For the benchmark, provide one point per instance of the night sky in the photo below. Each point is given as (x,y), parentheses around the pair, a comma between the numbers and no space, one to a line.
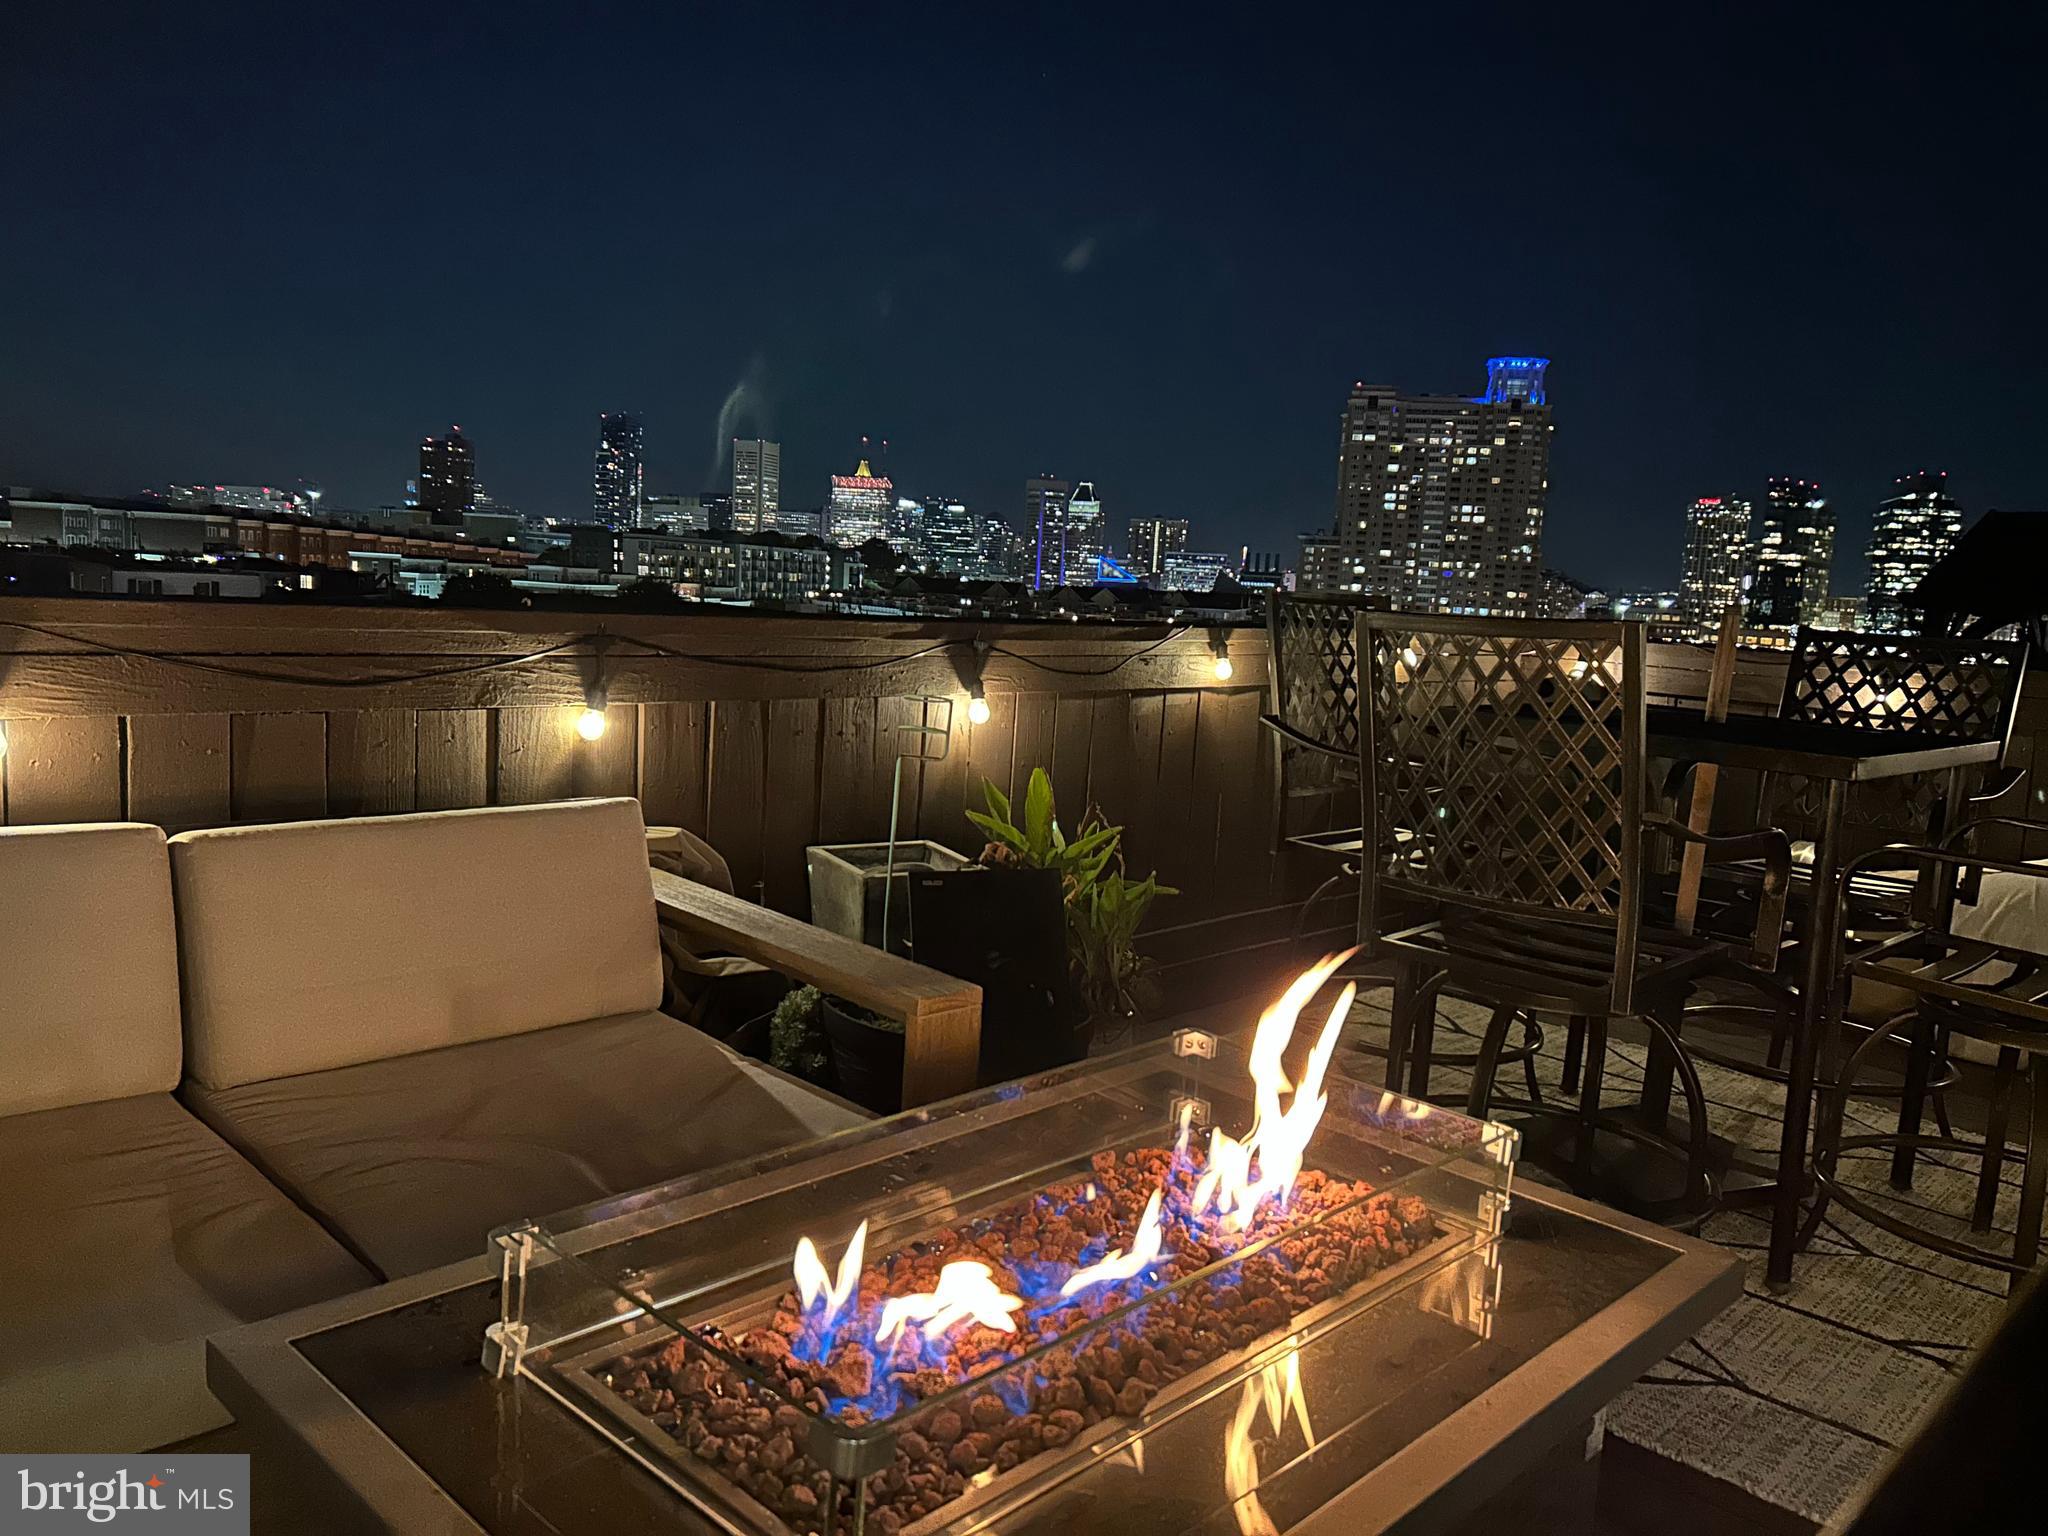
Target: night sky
(1153,250)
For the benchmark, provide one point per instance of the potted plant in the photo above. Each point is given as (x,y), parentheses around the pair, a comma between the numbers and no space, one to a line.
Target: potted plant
(1104,908)
(835,1044)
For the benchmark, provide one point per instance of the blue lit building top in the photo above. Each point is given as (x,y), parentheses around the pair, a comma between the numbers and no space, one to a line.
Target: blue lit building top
(1514,378)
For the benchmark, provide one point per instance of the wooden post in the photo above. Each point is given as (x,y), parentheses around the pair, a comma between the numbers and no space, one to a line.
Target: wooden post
(1699,815)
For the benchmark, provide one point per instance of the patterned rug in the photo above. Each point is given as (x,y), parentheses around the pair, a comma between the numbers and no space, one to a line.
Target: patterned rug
(1798,1398)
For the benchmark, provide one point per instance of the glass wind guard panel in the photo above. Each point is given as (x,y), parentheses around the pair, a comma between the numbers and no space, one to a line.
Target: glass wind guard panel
(1100,1297)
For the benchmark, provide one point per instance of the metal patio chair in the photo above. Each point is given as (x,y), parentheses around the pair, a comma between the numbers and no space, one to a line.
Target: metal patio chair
(1994,992)
(1513,754)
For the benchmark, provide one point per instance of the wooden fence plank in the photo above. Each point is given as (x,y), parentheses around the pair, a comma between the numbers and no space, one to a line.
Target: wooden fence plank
(454,759)
(674,756)
(1035,714)
(1073,729)
(1142,813)
(990,749)
(847,762)
(63,770)
(536,755)
(738,773)
(178,770)
(1179,854)
(941,813)
(896,721)
(1244,858)
(790,813)
(372,761)
(609,765)
(1109,756)
(277,766)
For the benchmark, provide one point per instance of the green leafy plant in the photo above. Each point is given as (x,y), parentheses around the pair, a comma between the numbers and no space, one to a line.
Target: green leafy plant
(1104,909)
(796,1040)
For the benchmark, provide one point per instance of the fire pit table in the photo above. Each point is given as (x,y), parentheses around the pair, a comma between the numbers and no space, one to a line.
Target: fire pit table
(1208,1285)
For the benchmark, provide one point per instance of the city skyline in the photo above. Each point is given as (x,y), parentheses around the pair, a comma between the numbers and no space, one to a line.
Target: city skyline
(1006,243)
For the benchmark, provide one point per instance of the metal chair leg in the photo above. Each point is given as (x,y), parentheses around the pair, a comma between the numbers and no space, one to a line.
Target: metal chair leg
(1912,1100)
(1589,1099)
(1574,1050)
(1407,981)
(1532,1040)
(1699,1133)
(2027,1244)
(1996,1120)
(1480,1097)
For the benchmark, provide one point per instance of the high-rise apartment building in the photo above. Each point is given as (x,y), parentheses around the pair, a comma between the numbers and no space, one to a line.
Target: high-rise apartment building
(1915,526)
(859,507)
(1149,540)
(1716,562)
(1087,535)
(756,483)
(952,542)
(619,479)
(1045,516)
(1794,550)
(447,477)
(1440,497)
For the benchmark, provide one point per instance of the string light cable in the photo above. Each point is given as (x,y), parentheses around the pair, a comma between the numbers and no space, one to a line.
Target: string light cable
(591,643)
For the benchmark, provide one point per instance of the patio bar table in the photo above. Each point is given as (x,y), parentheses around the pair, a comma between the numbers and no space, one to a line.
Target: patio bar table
(1838,757)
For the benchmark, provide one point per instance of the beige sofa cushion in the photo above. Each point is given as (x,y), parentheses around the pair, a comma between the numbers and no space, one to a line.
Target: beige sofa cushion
(133,1232)
(412,1161)
(323,944)
(89,1000)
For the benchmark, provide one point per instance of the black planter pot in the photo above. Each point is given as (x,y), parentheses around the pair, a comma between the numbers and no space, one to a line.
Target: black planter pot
(867,1062)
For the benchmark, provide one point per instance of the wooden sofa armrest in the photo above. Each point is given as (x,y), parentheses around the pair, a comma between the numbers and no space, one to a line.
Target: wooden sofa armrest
(941,1015)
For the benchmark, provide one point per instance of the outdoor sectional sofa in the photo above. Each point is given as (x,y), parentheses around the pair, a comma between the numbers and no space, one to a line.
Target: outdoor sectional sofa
(252,1068)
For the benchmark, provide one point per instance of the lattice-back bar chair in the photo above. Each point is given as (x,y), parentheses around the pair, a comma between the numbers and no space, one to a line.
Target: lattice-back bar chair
(1513,756)
(1313,686)
(1991,991)
(1941,687)
(1934,686)
(1313,660)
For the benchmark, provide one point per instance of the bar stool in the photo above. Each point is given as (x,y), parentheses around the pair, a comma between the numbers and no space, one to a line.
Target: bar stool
(1965,988)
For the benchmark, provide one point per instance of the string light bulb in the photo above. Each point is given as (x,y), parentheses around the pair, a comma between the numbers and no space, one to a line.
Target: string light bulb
(977,707)
(1223,669)
(1219,645)
(590,724)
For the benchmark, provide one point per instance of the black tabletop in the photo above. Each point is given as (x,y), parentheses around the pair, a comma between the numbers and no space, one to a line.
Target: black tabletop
(1818,751)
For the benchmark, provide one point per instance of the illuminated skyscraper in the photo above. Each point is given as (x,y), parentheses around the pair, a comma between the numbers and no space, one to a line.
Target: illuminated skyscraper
(1440,497)
(619,480)
(1045,520)
(1151,540)
(447,477)
(756,483)
(859,507)
(952,543)
(1087,535)
(1915,526)
(1794,551)
(1716,560)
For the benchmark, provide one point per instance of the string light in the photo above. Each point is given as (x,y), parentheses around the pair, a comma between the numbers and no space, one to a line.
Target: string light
(590,724)
(1219,643)
(977,707)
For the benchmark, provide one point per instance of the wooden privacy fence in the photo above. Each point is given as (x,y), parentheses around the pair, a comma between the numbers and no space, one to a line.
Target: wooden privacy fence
(760,733)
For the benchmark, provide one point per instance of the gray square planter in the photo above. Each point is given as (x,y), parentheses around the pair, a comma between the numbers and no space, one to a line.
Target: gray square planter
(847,883)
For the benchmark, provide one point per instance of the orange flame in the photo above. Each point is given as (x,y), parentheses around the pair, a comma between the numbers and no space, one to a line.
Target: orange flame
(1118,1265)
(812,1282)
(1276,1389)
(966,1291)
(1279,1137)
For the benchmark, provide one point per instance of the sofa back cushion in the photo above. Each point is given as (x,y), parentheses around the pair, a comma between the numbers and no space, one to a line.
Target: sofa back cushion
(321,944)
(88,966)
